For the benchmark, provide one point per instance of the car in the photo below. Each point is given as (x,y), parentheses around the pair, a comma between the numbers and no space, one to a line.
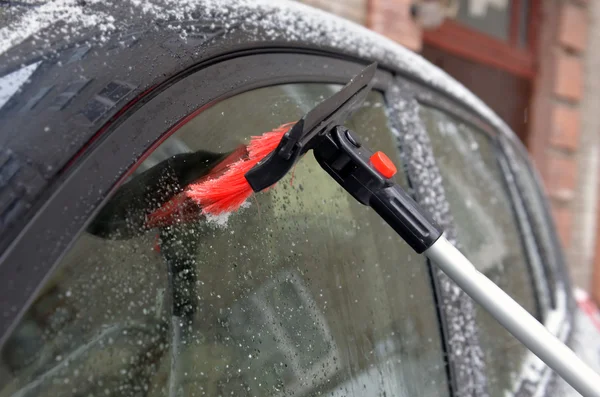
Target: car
(109,110)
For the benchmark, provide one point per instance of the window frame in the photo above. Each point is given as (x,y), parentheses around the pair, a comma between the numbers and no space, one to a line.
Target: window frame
(115,152)
(562,305)
(558,320)
(123,145)
(472,44)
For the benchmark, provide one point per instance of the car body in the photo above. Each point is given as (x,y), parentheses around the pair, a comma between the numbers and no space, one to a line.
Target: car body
(304,292)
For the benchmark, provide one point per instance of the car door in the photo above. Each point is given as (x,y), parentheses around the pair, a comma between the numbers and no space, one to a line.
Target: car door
(303,292)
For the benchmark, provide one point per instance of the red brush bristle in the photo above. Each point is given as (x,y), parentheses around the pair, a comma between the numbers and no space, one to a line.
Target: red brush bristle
(228,192)
(224,189)
(180,208)
(225,193)
(260,146)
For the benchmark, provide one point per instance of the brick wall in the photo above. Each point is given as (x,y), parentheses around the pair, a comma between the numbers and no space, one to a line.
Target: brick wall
(392,18)
(586,217)
(389,17)
(554,137)
(564,129)
(354,10)
(561,68)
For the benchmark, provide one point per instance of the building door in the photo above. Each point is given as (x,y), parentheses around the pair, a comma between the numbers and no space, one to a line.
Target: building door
(488,47)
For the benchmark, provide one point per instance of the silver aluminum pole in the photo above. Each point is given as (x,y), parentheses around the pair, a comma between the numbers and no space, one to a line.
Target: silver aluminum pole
(514,318)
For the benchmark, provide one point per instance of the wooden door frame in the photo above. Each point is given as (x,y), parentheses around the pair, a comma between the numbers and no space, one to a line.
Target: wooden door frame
(468,43)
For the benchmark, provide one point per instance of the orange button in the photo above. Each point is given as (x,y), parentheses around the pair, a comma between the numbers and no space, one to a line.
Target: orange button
(383,164)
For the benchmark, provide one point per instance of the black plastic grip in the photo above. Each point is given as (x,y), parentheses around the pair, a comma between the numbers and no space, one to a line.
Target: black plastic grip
(405,216)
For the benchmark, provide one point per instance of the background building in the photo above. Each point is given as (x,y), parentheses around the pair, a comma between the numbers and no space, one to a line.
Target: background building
(537,64)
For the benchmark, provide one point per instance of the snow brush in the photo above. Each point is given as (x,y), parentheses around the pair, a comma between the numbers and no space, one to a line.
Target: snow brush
(224,189)
(367,177)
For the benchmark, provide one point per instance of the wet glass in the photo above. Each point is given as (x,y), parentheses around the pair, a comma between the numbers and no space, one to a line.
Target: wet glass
(524,17)
(489,17)
(488,234)
(541,224)
(303,292)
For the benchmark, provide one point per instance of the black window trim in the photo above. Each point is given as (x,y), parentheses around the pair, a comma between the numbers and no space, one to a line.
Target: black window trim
(556,319)
(507,146)
(537,268)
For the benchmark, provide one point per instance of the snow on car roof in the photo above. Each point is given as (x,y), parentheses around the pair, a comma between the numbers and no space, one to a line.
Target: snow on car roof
(262,21)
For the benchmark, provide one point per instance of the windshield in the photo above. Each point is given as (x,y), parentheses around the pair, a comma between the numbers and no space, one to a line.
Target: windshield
(303,292)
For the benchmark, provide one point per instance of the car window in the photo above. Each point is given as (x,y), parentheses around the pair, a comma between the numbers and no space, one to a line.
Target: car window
(303,292)
(488,234)
(540,220)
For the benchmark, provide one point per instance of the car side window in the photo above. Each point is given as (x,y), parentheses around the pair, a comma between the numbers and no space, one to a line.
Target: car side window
(302,292)
(541,223)
(488,234)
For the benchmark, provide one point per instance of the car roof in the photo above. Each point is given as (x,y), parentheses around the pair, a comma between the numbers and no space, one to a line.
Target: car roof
(144,44)
(245,24)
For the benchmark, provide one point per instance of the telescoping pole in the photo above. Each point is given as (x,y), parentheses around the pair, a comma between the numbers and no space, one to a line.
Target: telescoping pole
(514,318)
